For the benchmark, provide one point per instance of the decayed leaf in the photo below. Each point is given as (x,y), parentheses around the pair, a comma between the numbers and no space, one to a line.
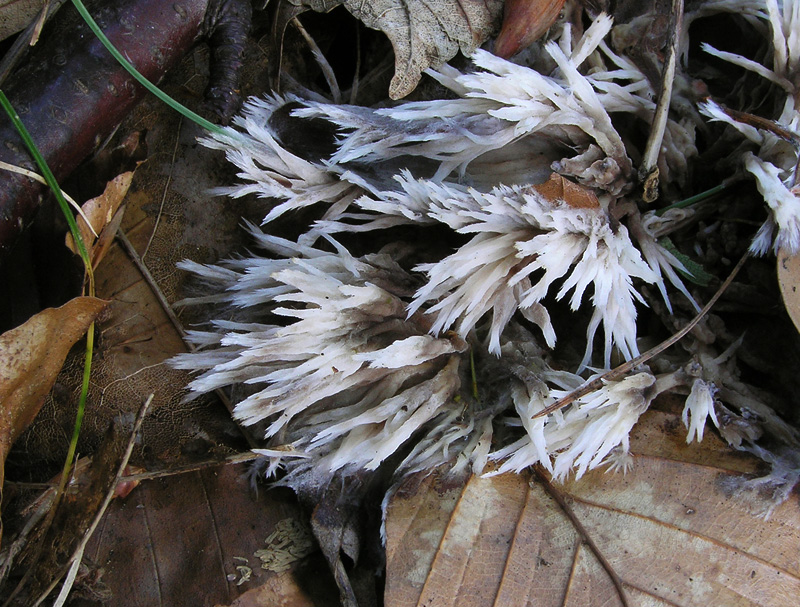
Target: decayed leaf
(671,530)
(559,187)
(105,215)
(423,34)
(225,530)
(15,15)
(789,281)
(524,22)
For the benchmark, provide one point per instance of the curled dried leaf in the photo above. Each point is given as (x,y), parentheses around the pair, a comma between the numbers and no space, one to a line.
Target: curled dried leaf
(104,217)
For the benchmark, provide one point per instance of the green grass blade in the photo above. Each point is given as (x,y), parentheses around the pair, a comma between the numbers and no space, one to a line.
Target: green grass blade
(178,107)
(76,235)
(48,177)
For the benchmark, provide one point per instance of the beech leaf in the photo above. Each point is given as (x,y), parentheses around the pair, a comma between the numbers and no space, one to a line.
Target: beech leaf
(423,34)
(678,529)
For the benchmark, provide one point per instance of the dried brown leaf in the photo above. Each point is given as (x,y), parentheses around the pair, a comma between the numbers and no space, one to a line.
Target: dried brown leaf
(669,528)
(561,188)
(103,213)
(524,22)
(223,525)
(423,34)
(31,356)
(789,281)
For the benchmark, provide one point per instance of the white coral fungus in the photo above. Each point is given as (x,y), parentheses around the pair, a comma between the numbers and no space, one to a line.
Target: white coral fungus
(585,435)
(347,360)
(523,244)
(700,406)
(348,380)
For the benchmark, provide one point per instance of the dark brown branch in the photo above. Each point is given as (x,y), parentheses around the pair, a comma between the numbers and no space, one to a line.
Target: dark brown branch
(71,93)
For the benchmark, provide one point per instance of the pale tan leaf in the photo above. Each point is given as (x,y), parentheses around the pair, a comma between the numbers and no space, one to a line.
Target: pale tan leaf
(15,15)
(669,529)
(423,34)
(789,281)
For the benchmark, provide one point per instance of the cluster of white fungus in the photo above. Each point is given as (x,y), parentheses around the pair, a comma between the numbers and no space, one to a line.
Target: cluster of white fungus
(348,361)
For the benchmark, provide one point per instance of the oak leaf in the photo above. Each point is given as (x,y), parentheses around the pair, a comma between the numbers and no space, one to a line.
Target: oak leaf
(423,34)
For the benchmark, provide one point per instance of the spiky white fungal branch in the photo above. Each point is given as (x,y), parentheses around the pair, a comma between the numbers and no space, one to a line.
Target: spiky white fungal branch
(509,123)
(593,430)
(523,243)
(342,376)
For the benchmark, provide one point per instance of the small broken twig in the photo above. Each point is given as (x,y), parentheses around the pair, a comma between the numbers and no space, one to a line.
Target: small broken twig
(71,566)
(648,172)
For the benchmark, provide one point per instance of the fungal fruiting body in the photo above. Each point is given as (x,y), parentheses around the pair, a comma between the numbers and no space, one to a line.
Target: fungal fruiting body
(348,360)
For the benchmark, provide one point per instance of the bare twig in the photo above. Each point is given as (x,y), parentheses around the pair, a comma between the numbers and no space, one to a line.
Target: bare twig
(624,368)
(231,460)
(559,498)
(237,458)
(648,172)
(148,278)
(156,290)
